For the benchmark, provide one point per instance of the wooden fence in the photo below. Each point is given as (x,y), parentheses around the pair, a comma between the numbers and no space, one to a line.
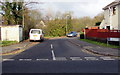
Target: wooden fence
(101,33)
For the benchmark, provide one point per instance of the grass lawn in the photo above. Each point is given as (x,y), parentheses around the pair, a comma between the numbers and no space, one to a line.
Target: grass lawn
(100,44)
(6,43)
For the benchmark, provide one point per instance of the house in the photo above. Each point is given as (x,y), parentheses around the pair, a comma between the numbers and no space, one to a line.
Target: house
(41,24)
(0,19)
(11,33)
(111,16)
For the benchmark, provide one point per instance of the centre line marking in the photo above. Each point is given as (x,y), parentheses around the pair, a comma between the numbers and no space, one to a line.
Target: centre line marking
(51,46)
(53,55)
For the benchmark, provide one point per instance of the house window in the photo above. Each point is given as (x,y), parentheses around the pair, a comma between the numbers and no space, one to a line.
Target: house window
(114,10)
(108,27)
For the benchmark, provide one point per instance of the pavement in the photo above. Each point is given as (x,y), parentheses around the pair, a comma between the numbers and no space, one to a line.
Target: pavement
(16,48)
(95,49)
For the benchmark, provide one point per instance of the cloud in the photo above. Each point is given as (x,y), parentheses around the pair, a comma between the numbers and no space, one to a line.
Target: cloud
(64,0)
(79,7)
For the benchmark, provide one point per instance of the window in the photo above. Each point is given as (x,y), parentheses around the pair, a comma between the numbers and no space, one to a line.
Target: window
(114,10)
(35,32)
(108,27)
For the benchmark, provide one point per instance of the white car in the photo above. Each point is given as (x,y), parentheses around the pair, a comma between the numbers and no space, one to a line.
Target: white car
(36,35)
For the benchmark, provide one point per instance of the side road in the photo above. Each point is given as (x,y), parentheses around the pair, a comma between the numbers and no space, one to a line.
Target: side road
(17,48)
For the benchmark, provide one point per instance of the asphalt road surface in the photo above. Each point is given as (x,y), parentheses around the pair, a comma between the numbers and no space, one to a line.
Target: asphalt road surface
(58,56)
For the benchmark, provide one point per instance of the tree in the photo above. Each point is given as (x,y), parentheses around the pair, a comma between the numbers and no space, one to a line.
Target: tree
(80,23)
(57,26)
(98,18)
(12,12)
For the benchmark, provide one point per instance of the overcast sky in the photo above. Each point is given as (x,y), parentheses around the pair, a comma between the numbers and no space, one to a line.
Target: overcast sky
(80,8)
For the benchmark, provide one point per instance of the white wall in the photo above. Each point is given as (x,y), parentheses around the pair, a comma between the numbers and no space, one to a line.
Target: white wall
(11,33)
(106,21)
(114,20)
(20,33)
(111,20)
(119,17)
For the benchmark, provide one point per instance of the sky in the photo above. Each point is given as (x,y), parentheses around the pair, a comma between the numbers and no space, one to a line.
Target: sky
(80,8)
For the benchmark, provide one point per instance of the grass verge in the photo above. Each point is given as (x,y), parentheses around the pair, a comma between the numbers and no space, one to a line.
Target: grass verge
(100,44)
(7,43)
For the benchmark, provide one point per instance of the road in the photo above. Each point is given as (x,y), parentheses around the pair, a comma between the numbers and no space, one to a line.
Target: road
(58,56)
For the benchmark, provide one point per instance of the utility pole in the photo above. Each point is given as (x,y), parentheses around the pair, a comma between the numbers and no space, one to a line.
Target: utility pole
(66,23)
(23,17)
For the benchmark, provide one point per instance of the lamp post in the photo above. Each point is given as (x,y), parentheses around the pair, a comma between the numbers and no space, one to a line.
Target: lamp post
(23,18)
(66,23)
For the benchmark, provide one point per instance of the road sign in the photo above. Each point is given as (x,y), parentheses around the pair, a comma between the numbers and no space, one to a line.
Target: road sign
(113,39)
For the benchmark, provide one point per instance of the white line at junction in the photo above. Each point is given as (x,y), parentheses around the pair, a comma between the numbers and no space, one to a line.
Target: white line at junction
(8,59)
(25,59)
(53,55)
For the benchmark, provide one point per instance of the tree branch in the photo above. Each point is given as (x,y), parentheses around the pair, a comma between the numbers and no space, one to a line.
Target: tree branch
(2,3)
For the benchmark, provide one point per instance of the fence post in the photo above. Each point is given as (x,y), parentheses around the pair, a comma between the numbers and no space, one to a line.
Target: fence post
(107,41)
(84,33)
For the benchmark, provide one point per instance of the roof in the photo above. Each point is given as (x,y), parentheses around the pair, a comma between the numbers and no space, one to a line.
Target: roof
(116,2)
(10,25)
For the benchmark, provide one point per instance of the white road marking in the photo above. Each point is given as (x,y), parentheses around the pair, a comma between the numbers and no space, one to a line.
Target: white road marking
(25,59)
(8,59)
(51,46)
(91,58)
(75,58)
(53,55)
(61,58)
(41,59)
(107,58)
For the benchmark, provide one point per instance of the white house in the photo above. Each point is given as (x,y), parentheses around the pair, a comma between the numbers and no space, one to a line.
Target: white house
(0,19)
(11,33)
(111,16)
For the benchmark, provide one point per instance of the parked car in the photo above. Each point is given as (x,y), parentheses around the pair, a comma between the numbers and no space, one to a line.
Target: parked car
(36,35)
(72,34)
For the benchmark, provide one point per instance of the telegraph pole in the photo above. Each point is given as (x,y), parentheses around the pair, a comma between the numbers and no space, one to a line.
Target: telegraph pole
(66,23)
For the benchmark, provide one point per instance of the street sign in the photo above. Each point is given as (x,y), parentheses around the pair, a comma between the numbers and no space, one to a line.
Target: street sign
(113,39)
